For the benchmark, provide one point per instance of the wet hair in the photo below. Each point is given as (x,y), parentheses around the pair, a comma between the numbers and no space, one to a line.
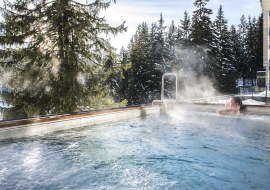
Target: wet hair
(240,103)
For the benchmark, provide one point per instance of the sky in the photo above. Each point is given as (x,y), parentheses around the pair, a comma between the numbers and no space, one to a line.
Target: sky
(134,12)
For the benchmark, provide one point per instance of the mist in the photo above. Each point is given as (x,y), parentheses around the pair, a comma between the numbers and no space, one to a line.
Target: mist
(192,82)
(193,86)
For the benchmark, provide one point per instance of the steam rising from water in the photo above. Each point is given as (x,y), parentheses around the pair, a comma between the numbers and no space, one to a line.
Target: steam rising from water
(192,85)
(195,87)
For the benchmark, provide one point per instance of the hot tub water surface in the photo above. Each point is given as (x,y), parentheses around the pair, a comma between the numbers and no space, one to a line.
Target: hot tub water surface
(178,150)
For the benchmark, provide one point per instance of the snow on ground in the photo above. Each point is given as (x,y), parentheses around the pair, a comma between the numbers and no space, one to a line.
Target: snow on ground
(257,94)
(262,94)
(252,102)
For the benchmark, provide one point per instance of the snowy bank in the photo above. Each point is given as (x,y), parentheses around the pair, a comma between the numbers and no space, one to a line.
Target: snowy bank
(252,102)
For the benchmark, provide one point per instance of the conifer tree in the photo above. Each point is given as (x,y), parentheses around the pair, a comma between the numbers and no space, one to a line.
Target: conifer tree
(122,81)
(236,49)
(201,37)
(222,67)
(171,40)
(161,55)
(251,45)
(116,81)
(201,24)
(139,72)
(154,64)
(54,55)
(183,60)
(259,43)
(243,67)
(186,29)
(171,45)
(149,56)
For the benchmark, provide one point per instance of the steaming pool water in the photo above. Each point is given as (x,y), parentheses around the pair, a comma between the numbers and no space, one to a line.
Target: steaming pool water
(179,150)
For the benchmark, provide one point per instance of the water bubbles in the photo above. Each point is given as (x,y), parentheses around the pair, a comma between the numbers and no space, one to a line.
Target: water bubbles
(154,153)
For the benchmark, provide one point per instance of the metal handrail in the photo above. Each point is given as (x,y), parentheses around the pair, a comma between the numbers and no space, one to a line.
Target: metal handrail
(164,101)
(176,86)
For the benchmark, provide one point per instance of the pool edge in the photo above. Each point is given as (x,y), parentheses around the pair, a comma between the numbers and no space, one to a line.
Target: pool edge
(45,124)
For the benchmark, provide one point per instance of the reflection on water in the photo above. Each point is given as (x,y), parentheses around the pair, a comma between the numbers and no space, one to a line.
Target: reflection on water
(181,150)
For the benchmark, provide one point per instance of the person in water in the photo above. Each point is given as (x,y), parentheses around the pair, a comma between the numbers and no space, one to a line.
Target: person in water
(233,107)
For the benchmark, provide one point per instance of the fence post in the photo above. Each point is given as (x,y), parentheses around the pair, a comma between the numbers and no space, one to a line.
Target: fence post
(266,95)
(252,92)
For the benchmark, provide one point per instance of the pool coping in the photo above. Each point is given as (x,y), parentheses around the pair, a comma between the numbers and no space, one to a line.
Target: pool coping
(213,107)
(56,117)
(43,124)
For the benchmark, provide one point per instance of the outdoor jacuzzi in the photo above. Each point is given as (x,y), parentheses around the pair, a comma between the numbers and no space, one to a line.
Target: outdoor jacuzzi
(177,150)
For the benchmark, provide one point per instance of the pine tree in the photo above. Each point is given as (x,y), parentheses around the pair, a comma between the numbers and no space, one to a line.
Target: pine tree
(201,37)
(259,43)
(171,40)
(184,60)
(161,50)
(251,54)
(150,55)
(222,67)
(154,64)
(139,72)
(236,50)
(171,45)
(201,24)
(115,83)
(186,29)
(122,80)
(243,68)
(54,55)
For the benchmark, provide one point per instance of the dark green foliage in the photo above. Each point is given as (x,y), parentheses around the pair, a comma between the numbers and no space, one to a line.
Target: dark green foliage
(254,46)
(259,44)
(247,47)
(53,55)
(117,82)
(53,59)
(201,33)
(242,63)
(222,69)
(150,55)
(201,37)
(184,31)
(200,48)
(143,72)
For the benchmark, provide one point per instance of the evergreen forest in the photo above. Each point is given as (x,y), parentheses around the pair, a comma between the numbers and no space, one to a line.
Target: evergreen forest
(54,60)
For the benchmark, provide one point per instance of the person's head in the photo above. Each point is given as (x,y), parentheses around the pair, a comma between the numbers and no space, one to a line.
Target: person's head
(236,101)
